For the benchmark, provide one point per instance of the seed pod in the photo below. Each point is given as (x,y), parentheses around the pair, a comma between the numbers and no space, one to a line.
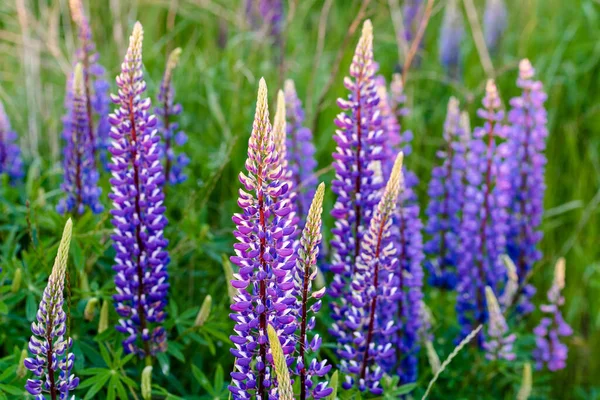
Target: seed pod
(90,309)
(147,383)
(16,283)
(204,312)
(103,323)
(21,370)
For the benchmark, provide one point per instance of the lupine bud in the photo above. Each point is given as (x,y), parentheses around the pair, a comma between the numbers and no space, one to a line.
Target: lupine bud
(147,383)
(11,162)
(103,321)
(231,291)
(549,350)
(21,370)
(204,312)
(52,363)
(166,110)
(526,383)
(84,284)
(138,213)
(90,309)
(16,283)
(498,344)
(284,389)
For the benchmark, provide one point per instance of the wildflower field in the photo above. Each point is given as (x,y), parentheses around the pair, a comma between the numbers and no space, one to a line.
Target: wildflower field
(284,199)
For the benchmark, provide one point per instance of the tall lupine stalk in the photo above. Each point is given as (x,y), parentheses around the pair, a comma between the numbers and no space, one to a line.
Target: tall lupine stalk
(495,19)
(373,291)
(451,35)
(549,350)
(94,83)
(499,343)
(138,210)
(446,195)
(10,152)
(301,151)
(412,10)
(265,256)
(527,143)
(484,220)
(305,273)
(51,362)
(80,180)
(358,150)
(167,109)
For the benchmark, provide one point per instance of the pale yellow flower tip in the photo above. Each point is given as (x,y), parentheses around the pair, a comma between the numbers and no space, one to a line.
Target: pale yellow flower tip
(559,273)
(526,383)
(262,103)
(367,30)
(76,11)
(174,58)
(147,383)
(284,384)
(279,126)
(289,86)
(525,69)
(78,80)
(397,169)
(204,312)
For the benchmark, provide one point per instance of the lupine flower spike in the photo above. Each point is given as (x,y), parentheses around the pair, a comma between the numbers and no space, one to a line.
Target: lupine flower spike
(451,36)
(284,388)
(359,139)
(373,290)
(446,194)
(94,83)
(306,272)
(526,145)
(10,153)
(51,362)
(80,181)
(301,151)
(265,256)
(499,344)
(138,210)
(549,350)
(484,219)
(494,23)
(512,284)
(167,109)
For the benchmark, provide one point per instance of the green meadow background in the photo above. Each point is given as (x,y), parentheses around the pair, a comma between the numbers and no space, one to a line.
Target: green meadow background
(216,83)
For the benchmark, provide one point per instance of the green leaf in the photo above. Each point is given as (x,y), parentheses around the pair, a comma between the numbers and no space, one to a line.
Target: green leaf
(202,379)
(99,383)
(219,378)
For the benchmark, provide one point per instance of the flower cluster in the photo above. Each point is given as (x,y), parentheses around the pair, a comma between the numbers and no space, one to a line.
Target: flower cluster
(94,83)
(356,159)
(499,344)
(374,289)
(485,218)
(169,129)
(80,181)
(265,257)
(494,23)
(138,210)
(300,150)
(412,10)
(52,362)
(527,142)
(305,274)
(446,193)
(451,36)
(549,350)
(268,13)
(10,153)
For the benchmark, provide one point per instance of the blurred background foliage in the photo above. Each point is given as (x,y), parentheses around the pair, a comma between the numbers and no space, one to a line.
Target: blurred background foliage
(216,83)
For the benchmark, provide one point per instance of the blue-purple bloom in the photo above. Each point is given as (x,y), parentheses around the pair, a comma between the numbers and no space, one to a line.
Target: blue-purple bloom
(266,260)
(527,142)
(549,350)
(373,290)
(485,218)
(80,180)
(356,159)
(138,210)
(499,343)
(10,152)
(96,87)
(411,11)
(266,12)
(451,36)
(300,150)
(169,129)
(494,23)
(446,195)
(52,362)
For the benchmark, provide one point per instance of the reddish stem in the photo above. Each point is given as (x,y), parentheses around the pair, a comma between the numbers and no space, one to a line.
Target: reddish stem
(303,327)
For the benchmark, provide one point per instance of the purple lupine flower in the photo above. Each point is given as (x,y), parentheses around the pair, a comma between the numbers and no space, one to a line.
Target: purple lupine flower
(446,193)
(412,12)
(80,181)
(265,256)
(527,143)
(10,152)
(169,129)
(358,151)
(138,210)
(268,13)
(484,220)
(494,23)
(96,86)
(305,273)
(52,362)
(549,350)
(301,150)
(499,344)
(451,35)
(373,291)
